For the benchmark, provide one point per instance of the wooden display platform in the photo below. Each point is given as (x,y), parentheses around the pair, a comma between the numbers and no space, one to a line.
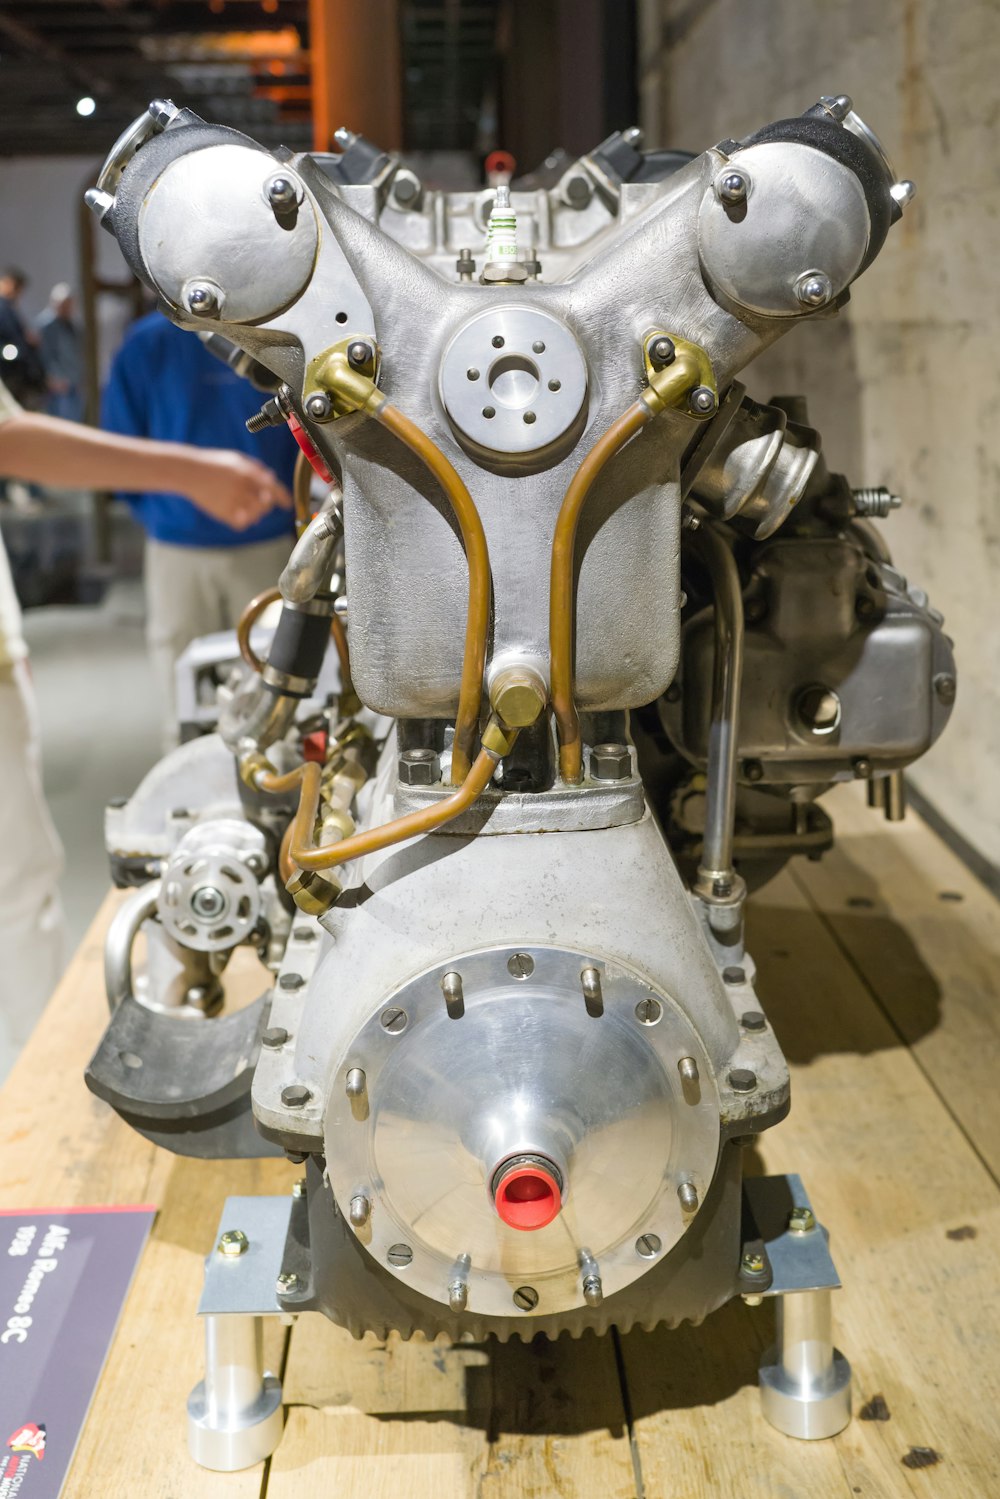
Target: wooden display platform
(879,969)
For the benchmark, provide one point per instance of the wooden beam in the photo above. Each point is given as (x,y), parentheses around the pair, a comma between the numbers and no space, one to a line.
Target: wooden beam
(356,70)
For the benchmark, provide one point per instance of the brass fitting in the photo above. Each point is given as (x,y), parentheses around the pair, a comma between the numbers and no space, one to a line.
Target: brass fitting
(497,739)
(518,696)
(349,387)
(670,384)
(312,891)
(253,764)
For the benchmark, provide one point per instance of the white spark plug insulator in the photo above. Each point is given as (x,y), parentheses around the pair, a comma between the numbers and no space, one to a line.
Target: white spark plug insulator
(501,242)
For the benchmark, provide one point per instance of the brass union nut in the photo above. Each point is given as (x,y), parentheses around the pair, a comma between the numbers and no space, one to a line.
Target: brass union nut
(312,891)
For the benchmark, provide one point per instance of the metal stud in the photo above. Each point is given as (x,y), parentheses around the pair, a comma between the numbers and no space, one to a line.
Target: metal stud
(687,1194)
(593,1290)
(454,995)
(590,983)
(688,1069)
(360,1210)
(356,1088)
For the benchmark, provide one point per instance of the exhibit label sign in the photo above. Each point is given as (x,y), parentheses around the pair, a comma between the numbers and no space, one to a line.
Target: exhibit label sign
(64,1275)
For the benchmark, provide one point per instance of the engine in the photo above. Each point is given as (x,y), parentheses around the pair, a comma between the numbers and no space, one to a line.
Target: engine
(571,643)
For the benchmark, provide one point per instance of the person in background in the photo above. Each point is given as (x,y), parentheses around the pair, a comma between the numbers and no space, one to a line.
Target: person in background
(229,488)
(201,571)
(62,354)
(20,358)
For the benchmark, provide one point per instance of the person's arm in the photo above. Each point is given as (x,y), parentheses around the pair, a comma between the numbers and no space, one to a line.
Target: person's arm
(46,450)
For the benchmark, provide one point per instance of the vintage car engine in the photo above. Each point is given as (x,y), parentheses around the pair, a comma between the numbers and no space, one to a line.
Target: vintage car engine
(604,629)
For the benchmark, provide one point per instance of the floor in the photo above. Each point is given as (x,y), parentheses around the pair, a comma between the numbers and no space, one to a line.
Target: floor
(100,728)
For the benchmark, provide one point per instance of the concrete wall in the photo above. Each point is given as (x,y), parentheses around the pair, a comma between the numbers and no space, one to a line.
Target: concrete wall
(904,385)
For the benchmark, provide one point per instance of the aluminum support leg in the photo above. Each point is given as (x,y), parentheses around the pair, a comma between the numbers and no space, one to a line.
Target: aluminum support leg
(235,1417)
(805,1383)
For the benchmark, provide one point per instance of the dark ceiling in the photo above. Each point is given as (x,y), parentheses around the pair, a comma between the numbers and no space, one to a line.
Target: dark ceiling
(241,61)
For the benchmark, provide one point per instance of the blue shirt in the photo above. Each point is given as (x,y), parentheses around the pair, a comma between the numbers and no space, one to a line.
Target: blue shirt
(165,384)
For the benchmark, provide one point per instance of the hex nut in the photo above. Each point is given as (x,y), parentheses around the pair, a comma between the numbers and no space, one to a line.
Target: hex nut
(610,762)
(419,767)
(233,1243)
(312,891)
(801,1221)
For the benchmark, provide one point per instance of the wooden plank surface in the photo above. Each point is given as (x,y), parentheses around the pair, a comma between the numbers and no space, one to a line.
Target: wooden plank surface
(879,991)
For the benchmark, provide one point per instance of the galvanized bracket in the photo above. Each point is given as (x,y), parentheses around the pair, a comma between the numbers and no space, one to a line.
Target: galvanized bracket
(799,1261)
(247,1284)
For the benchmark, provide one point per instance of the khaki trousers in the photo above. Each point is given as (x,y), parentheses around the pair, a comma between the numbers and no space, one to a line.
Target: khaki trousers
(192,591)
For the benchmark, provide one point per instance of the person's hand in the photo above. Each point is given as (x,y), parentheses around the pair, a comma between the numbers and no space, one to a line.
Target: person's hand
(234,489)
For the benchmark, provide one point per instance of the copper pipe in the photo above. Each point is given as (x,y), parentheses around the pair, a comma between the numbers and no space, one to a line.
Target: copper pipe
(285,867)
(247,620)
(303,850)
(343,656)
(561,585)
(302,491)
(480,588)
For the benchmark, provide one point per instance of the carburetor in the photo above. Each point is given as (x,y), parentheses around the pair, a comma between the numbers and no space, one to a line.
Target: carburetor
(605,629)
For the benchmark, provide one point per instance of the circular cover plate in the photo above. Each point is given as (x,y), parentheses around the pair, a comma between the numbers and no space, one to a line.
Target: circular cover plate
(525,1069)
(513,379)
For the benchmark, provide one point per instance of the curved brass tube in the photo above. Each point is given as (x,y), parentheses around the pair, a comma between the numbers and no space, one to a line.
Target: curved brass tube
(480,584)
(561,585)
(302,849)
(343,656)
(301,487)
(248,619)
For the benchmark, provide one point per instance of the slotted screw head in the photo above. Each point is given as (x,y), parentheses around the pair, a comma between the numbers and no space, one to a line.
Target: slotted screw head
(399,1255)
(526,1298)
(233,1243)
(393,1021)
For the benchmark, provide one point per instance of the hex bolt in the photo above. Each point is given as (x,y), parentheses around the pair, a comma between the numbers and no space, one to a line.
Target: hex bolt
(753,1020)
(282,194)
(295,1096)
(687,1196)
(862,768)
(526,1298)
(419,767)
(291,981)
(742,1080)
(202,299)
(688,1069)
(304,934)
(734,975)
(273,1037)
(813,289)
(702,401)
(208,901)
(593,1290)
(299,1187)
(610,762)
(399,1255)
(661,351)
(233,1243)
(405,189)
(344,137)
(733,186)
(318,407)
(287,1281)
(648,1011)
(753,1262)
(801,1221)
(359,354)
(360,1210)
(458,1295)
(393,1020)
(945,687)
